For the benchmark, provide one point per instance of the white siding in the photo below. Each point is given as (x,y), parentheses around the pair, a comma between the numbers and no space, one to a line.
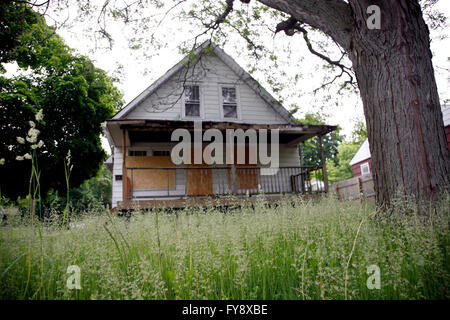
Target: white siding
(117,170)
(167,101)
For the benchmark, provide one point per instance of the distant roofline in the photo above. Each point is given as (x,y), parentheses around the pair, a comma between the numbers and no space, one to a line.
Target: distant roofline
(362,154)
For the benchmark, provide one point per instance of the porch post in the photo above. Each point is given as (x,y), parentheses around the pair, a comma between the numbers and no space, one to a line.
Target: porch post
(302,176)
(324,166)
(125,191)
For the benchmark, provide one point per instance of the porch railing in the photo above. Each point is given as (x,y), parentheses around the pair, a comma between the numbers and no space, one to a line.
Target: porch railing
(183,182)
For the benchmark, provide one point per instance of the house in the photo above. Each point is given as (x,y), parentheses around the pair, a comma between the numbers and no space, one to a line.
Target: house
(361,164)
(361,160)
(204,95)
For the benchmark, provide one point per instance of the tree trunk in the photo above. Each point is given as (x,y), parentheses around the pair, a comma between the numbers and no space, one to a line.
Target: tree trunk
(395,75)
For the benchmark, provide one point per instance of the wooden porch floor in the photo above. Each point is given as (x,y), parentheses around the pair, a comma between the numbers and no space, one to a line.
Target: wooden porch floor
(202,201)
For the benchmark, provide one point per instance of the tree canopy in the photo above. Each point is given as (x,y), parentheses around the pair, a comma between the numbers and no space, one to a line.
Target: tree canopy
(71,95)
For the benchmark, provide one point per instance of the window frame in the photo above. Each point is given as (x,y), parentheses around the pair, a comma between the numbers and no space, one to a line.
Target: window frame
(238,109)
(200,97)
(364,165)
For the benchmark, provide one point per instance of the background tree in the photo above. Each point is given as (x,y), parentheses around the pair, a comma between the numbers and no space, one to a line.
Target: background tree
(74,95)
(93,195)
(341,169)
(310,150)
(359,133)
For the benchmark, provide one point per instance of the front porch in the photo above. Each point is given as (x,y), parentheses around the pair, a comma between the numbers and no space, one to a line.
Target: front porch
(149,178)
(175,185)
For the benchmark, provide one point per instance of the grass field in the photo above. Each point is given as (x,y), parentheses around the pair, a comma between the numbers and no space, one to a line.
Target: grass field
(316,249)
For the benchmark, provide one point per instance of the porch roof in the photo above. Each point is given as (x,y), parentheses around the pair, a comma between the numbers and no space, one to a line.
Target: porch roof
(141,130)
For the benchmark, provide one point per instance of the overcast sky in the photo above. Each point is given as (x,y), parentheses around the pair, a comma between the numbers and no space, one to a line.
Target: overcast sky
(137,73)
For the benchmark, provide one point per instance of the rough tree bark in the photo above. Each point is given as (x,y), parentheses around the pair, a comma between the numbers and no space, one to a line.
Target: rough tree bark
(396,79)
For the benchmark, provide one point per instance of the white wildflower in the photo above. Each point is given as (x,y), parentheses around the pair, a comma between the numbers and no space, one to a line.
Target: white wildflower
(32,125)
(68,157)
(27,156)
(2,161)
(39,116)
(32,135)
(20,140)
(37,145)
(19,158)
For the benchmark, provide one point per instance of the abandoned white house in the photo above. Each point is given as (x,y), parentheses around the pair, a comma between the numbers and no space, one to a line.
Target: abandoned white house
(213,89)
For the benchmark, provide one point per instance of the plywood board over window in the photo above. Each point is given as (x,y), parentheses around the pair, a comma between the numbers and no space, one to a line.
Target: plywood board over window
(246,178)
(153,179)
(198,181)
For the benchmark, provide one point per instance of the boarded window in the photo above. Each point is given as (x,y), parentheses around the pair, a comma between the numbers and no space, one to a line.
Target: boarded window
(229,102)
(161,153)
(192,101)
(137,153)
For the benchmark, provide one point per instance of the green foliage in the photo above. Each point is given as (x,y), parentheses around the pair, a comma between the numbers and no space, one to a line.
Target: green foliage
(75,97)
(310,149)
(19,25)
(359,133)
(342,170)
(293,251)
(93,195)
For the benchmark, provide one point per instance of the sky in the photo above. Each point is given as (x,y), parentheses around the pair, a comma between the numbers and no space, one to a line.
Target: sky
(136,72)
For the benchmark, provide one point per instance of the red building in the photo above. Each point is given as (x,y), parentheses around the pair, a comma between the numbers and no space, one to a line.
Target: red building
(361,163)
(361,160)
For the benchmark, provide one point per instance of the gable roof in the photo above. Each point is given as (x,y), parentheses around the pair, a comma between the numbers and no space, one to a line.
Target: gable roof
(225,58)
(362,154)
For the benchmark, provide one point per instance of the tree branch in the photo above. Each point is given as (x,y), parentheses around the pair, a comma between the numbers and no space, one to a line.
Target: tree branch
(290,26)
(333,17)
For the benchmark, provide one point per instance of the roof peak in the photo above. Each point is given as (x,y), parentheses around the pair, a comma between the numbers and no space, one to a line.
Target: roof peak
(226,59)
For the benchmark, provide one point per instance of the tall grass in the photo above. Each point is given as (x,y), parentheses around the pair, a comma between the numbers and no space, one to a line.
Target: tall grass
(315,249)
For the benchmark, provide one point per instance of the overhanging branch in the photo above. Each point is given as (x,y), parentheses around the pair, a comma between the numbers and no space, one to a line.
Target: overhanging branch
(291,25)
(333,17)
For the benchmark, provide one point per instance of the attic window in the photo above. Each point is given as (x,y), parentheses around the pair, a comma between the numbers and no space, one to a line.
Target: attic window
(229,102)
(192,101)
